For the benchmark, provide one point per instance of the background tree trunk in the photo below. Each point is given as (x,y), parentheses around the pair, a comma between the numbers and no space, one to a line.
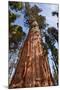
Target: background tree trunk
(33,68)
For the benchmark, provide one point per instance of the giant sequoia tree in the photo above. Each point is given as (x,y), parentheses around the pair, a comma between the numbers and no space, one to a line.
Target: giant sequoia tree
(33,68)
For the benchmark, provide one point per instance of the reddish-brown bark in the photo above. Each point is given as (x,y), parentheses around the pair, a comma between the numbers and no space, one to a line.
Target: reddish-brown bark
(33,68)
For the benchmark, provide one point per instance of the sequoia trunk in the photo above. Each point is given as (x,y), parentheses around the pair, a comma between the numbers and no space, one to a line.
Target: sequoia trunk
(33,68)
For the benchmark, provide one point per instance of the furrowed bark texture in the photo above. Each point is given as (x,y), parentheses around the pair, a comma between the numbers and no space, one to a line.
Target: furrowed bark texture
(33,68)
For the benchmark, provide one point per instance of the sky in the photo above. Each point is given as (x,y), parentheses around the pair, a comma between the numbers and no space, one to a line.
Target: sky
(46,11)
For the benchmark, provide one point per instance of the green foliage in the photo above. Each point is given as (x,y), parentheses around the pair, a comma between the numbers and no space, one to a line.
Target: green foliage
(32,12)
(35,10)
(50,44)
(12,18)
(15,32)
(51,39)
(41,21)
(15,5)
(53,32)
(54,50)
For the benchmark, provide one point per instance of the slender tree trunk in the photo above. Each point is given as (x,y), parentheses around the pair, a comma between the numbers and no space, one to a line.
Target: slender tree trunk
(33,68)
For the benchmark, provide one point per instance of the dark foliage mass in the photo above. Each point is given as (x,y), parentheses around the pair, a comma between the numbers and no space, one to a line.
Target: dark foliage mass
(55,13)
(53,32)
(15,32)
(16,5)
(33,12)
(15,35)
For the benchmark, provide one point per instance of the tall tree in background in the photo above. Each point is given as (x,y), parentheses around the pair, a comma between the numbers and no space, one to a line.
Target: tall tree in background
(33,67)
(52,39)
(50,43)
